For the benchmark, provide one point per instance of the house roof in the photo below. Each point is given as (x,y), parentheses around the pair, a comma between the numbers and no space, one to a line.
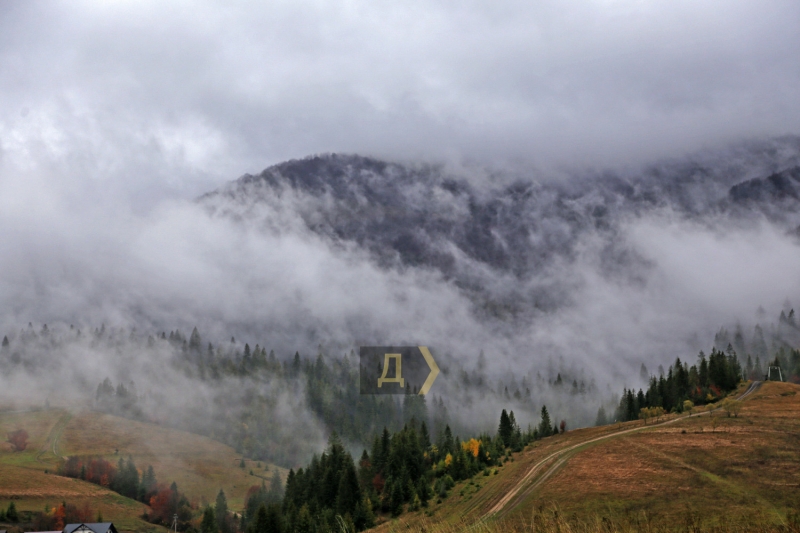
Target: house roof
(96,527)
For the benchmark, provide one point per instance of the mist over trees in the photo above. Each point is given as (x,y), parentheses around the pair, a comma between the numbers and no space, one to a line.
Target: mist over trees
(745,357)
(250,399)
(707,381)
(499,241)
(557,281)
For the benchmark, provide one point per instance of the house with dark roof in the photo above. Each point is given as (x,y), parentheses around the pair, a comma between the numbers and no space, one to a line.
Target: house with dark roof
(96,527)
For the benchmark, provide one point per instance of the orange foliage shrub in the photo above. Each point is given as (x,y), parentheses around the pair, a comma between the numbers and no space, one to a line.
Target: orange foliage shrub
(163,505)
(93,469)
(58,517)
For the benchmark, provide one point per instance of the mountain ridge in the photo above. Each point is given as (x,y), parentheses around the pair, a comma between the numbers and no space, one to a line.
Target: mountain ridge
(521,232)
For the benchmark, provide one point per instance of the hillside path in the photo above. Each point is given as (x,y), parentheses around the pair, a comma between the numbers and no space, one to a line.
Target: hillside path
(51,442)
(547,466)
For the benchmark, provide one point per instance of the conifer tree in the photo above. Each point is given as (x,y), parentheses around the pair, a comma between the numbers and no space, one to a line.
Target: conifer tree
(194,340)
(348,493)
(446,445)
(221,512)
(545,426)
(209,523)
(261,523)
(275,487)
(424,436)
(11,513)
(601,419)
(396,498)
(505,429)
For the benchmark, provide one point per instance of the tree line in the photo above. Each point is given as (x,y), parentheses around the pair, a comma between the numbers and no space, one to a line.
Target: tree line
(402,471)
(704,382)
(164,501)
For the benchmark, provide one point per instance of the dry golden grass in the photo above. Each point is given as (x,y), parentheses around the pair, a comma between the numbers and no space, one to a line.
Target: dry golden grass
(742,476)
(38,424)
(743,466)
(33,490)
(200,466)
(553,520)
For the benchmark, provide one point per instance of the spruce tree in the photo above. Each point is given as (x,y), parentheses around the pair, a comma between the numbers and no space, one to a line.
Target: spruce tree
(601,419)
(505,429)
(274,519)
(304,521)
(261,521)
(447,441)
(630,401)
(545,426)
(702,372)
(221,511)
(11,513)
(396,498)
(348,493)
(209,523)
(275,487)
(194,340)
(516,434)
(424,436)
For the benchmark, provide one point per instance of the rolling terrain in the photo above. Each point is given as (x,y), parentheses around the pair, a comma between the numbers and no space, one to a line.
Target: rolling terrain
(199,465)
(698,471)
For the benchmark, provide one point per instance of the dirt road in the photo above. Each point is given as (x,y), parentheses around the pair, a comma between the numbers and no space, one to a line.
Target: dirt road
(540,471)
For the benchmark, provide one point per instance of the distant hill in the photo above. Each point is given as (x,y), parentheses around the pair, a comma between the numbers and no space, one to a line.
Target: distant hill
(510,227)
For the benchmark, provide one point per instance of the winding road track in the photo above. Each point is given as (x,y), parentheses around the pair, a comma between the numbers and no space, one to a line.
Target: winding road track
(51,442)
(540,471)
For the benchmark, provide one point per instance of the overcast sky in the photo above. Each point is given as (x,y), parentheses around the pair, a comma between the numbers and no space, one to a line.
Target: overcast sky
(113,113)
(145,99)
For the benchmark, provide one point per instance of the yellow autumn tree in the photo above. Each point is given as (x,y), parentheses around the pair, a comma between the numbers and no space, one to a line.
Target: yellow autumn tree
(472,446)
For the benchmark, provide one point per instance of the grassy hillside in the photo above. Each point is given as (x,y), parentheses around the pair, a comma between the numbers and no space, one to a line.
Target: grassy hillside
(200,466)
(684,472)
(27,478)
(692,472)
